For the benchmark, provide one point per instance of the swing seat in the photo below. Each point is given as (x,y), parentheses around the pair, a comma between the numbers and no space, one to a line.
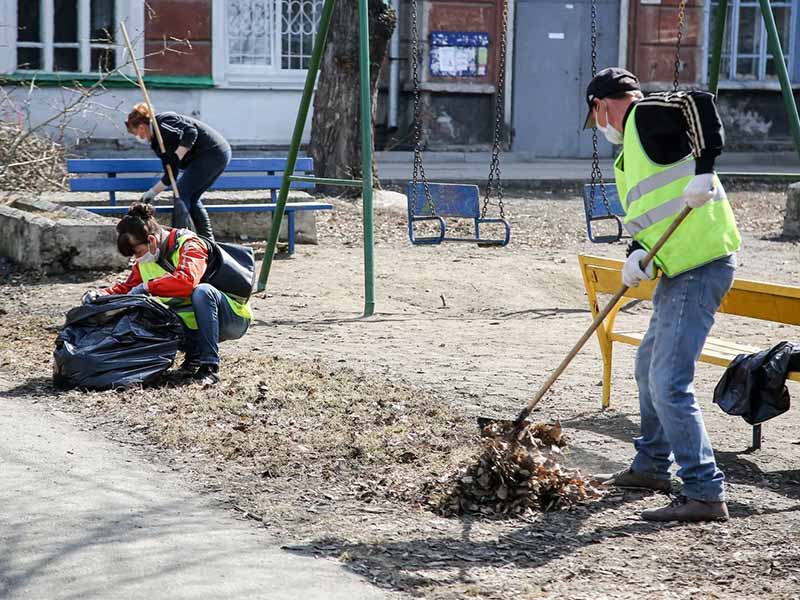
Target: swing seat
(453,201)
(599,212)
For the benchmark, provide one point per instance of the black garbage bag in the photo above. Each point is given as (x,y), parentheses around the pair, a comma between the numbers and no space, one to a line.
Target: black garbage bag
(754,385)
(116,342)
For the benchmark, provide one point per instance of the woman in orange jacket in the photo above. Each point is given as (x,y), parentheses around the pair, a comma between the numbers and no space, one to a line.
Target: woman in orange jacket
(170,265)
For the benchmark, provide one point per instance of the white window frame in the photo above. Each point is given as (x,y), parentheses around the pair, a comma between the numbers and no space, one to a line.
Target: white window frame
(250,76)
(129,11)
(725,79)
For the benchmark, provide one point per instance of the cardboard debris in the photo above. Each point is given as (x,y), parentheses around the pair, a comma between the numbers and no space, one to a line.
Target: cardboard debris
(511,477)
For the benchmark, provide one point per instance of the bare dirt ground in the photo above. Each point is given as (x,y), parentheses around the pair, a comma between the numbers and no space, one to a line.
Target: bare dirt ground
(328,428)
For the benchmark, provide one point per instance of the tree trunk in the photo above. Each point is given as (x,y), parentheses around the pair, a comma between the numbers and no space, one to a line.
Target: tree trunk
(336,125)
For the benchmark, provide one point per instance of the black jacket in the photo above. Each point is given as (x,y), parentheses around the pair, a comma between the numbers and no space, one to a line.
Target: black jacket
(672,125)
(754,385)
(180,130)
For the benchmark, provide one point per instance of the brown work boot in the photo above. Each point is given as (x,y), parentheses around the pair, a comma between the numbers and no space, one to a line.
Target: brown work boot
(628,478)
(688,510)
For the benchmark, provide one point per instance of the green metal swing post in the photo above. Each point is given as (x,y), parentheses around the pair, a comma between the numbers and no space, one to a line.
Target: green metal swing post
(366,158)
(774,45)
(366,140)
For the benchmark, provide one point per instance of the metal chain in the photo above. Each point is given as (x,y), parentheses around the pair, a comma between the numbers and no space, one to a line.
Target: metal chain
(597,175)
(419,168)
(494,182)
(681,16)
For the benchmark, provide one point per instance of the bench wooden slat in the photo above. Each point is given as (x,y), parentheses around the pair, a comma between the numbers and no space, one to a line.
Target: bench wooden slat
(141,184)
(715,351)
(153,165)
(747,298)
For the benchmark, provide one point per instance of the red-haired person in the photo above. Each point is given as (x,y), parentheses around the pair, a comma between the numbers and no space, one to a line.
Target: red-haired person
(194,149)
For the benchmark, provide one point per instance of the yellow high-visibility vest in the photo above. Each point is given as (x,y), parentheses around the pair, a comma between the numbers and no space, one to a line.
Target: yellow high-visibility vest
(183,306)
(652,196)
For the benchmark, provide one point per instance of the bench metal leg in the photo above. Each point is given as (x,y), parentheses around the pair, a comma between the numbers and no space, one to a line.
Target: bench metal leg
(607,376)
(756,437)
(290,227)
(112,196)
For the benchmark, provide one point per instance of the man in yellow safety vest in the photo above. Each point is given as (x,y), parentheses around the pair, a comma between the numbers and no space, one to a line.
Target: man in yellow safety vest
(669,144)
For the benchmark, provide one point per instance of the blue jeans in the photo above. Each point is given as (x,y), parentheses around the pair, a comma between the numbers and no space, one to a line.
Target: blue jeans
(672,423)
(198,176)
(216,322)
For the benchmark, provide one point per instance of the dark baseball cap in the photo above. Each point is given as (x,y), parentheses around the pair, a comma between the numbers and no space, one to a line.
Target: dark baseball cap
(607,83)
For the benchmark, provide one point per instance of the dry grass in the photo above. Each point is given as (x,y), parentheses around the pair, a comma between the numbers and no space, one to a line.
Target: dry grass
(279,418)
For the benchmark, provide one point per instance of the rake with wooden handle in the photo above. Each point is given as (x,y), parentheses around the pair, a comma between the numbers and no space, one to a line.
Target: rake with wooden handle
(519,423)
(153,122)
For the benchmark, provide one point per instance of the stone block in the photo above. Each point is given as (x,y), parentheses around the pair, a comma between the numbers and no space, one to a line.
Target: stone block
(43,235)
(234,226)
(791,219)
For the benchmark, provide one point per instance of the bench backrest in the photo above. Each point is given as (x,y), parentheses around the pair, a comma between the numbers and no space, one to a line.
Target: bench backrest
(747,298)
(241,174)
(449,200)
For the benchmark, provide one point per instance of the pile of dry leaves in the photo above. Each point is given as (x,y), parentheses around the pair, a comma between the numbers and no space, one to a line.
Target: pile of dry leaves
(28,161)
(515,474)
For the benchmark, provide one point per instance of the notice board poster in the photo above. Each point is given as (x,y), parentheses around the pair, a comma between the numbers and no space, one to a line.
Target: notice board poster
(459,53)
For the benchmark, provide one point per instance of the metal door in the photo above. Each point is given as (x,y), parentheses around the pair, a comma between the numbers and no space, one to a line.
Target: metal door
(552,66)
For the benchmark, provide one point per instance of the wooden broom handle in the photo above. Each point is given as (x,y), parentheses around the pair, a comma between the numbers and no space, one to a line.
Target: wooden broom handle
(153,121)
(598,320)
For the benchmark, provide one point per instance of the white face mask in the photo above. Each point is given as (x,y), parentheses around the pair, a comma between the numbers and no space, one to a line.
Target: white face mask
(612,135)
(142,140)
(149,257)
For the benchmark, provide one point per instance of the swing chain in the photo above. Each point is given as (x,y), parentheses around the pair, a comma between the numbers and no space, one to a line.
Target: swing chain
(419,168)
(597,175)
(494,181)
(681,16)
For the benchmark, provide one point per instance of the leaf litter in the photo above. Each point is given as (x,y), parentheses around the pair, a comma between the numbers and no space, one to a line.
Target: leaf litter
(361,495)
(515,474)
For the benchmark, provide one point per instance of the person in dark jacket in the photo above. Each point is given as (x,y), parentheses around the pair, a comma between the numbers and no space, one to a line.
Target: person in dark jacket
(191,146)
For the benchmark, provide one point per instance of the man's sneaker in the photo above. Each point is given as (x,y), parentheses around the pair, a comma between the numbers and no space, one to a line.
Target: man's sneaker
(688,510)
(207,375)
(628,478)
(189,367)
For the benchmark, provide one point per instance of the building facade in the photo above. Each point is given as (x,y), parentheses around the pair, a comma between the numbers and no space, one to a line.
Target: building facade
(241,64)
(749,96)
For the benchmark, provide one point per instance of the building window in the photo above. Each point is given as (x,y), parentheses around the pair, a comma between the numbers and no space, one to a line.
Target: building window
(250,29)
(299,23)
(263,41)
(745,56)
(70,36)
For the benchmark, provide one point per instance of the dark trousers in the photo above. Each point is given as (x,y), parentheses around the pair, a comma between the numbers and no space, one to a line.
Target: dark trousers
(201,172)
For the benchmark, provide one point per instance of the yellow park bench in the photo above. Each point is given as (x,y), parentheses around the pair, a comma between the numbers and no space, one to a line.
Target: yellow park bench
(754,299)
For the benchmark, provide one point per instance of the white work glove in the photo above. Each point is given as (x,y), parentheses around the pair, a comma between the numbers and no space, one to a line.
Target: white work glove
(700,190)
(149,195)
(632,273)
(91,296)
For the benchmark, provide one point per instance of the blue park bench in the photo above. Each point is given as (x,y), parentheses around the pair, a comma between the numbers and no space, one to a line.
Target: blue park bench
(241,174)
